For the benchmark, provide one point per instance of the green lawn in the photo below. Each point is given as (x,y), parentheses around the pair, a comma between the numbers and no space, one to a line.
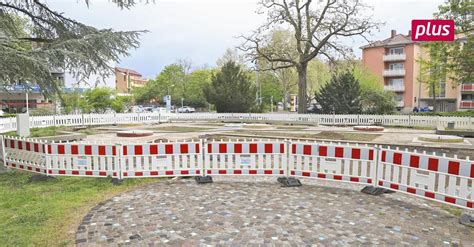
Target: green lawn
(47,213)
(329,135)
(53,131)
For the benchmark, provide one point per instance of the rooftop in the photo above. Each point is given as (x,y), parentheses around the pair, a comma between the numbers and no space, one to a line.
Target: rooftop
(129,71)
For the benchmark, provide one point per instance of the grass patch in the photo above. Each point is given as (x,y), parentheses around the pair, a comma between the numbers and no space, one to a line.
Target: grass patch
(291,127)
(41,132)
(46,213)
(256,126)
(409,127)
(343,136)
(181,128)
(452,210)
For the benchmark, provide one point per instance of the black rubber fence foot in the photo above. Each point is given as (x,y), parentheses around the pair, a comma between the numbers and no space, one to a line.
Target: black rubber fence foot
(467,220)
(117,181)
(289,182)
(203,179)
(375,191)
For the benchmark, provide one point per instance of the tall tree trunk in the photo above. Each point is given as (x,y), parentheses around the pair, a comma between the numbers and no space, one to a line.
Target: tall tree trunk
(434,97)
(302,87)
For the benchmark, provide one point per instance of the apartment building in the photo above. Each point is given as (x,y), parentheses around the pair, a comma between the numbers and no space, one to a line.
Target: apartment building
(395,61)
(127,79)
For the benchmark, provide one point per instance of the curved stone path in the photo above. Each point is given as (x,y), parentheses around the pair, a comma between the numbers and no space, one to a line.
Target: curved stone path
(257,211)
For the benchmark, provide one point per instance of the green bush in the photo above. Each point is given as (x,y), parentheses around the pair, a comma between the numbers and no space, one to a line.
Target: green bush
(469,113)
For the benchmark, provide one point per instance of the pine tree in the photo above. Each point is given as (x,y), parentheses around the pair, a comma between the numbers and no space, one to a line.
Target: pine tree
(231,89)
(342,95)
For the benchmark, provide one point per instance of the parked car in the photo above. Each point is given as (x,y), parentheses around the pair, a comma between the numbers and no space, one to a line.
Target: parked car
(186,109)
(1,112)
(159,110)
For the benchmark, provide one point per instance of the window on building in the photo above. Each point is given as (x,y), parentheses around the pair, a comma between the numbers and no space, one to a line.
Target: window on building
(440,90)
(396,66)
(398,97)
(396,50)
(395,82)
(467,97)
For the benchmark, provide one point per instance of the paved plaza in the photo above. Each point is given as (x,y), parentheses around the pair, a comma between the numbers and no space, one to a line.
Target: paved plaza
(256,211)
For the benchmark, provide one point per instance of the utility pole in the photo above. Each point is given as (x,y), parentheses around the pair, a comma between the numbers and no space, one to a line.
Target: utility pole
(27,110)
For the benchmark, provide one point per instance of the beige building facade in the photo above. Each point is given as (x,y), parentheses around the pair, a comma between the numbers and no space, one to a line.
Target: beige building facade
(127,79)
(395,61)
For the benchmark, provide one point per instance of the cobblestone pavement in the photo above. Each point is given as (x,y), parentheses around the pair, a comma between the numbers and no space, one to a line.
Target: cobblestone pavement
(257,211)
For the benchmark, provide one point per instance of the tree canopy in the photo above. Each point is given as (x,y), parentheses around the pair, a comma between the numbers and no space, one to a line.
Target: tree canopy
(36,42)
(231,89)
(342,95)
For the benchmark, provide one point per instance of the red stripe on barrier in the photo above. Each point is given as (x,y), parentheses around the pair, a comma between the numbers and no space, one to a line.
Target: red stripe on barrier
(429,194)
(292,173)
(197,148)
(29,168)
(101,150)
(60,149)
(20,145)
(380,183)
(355,153)
(282,148)
(103,174)
(138,150)
(88,149)
(74,149)
(268,148)
(184,148)
(125,174)
(75,172)
(339,152)
(352,179)
(237,148)
(36,147)
(114,174)
(125,150)
(89,173)
(222,148)
(209,172)
(50,171)
(414,161)
(62,172)
(114,150)
(433,164)
(169,149)
(209,148)
(138,174)
(306,149)
(397,158)
(411,190)
(49,149)
(253,148)
(472,170)
(185,172)
(21,166)
(323,151)
(450,199)
(268,172)
(337,177)
(293,148)
(37,169)
(305,174)
(371,154)
(237,171)
(198,171)
(321,175)
(169,172)
(154,173)
(369,180)
(394,186)
(384,154)
(222,172)
(28,147)
(153,149)
(453,167)
(470,204)
(12,144)
(253,172)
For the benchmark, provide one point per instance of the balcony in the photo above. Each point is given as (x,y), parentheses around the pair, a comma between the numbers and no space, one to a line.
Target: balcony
(467,88)
(466,104)
(399,103)
(394,57)
(393,72)
(394,88)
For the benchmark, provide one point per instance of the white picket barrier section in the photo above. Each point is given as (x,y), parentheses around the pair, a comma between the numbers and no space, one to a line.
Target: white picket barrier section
(162,159)
(24,154)
(245,157)
(348,163)
(82,159)
(439,178)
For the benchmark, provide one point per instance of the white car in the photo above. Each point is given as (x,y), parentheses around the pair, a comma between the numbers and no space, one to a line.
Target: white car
(186,109)
(1,112)
(159,110)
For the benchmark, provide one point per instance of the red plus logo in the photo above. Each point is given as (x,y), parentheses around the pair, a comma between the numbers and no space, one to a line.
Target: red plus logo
(432,30)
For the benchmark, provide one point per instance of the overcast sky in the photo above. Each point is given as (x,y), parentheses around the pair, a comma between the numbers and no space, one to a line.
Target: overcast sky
(201,30)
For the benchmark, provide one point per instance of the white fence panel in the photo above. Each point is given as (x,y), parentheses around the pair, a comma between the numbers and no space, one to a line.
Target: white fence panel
(439,178)
(162,159)
(245,157)
(24,154)
(349,163)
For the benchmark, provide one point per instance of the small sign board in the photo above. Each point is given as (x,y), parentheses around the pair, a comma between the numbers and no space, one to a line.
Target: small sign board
(82,161)
(245,160)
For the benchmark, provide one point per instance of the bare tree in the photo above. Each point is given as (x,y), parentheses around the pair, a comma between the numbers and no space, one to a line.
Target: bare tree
(318,27)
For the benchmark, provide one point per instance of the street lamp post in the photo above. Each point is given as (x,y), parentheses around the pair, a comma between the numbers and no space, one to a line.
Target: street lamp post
(27,110)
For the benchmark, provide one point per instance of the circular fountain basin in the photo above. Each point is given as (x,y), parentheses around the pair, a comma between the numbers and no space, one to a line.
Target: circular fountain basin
(134,133)
(368,128)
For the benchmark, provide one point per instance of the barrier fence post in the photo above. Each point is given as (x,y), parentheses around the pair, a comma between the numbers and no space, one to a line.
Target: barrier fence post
(374,189)
(3,150)
(118,167)
(47,157)
(204,178)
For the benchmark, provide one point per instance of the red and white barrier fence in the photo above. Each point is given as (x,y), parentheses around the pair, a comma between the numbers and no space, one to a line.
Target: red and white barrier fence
(439,178)
(247,157)
(162,159)
(333,162)
(443,179)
